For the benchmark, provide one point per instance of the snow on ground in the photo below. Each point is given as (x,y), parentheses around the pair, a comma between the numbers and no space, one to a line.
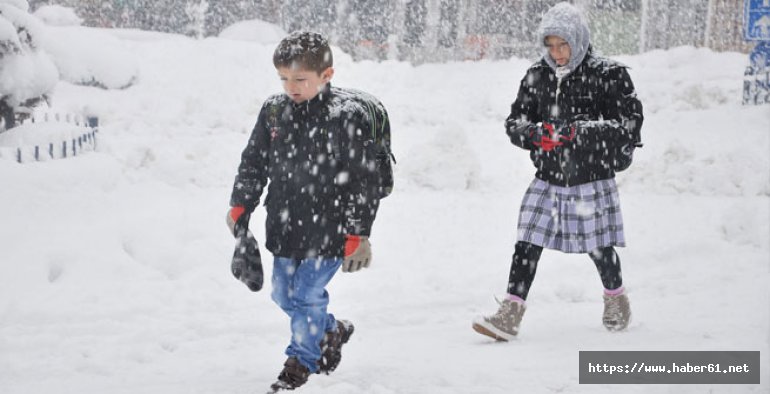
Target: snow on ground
(114,265)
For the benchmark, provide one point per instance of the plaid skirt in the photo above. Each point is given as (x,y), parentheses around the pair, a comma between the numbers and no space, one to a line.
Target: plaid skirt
(574,219)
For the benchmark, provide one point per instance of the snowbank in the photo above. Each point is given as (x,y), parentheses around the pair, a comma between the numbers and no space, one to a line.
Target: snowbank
(56,15)
(255,30)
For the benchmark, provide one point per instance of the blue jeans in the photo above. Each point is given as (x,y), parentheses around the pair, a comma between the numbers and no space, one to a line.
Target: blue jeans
(299,289)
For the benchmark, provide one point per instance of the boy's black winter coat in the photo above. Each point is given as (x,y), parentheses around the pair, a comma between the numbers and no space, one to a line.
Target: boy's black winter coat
(598,97)
(320,160)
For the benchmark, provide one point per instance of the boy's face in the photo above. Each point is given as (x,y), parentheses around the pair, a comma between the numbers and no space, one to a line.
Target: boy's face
(302,85)
(559,49)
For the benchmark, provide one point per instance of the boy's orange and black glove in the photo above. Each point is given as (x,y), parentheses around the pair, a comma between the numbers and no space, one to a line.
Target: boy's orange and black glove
(247,262)
(358,253)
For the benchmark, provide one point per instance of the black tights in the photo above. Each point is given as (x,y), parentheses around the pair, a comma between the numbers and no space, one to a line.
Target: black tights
(526,256)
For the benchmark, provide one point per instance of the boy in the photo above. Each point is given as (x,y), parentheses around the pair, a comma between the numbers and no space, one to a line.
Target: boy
(317,146)
(578,115)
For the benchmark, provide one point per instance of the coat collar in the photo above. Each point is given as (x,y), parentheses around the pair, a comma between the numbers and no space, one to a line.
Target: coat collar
(316,102)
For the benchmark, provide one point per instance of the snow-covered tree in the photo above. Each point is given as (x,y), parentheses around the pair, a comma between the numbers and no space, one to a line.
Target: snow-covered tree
(196,12)
(437,30)
(27,74)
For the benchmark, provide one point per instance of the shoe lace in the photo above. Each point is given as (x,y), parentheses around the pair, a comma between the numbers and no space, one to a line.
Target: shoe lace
(505,310)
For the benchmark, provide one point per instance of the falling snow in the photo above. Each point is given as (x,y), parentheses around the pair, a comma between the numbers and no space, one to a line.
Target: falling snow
(115,265)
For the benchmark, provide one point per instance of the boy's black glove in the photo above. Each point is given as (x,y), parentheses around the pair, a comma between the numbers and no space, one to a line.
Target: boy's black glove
(247,262)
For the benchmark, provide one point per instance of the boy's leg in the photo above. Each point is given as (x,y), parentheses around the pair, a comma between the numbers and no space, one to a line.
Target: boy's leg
(282,280)
(310,321)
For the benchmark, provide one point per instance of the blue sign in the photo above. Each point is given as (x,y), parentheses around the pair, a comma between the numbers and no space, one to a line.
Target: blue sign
(756,78)
(756,20)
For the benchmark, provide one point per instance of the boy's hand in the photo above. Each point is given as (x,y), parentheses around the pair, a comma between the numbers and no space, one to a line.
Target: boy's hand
(237,221)
(358,253)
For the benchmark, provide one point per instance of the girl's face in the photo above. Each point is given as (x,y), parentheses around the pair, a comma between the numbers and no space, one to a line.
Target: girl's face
(302,85)
(558,49)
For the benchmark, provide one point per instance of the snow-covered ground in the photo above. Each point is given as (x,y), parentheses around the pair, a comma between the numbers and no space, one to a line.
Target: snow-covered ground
(114,265)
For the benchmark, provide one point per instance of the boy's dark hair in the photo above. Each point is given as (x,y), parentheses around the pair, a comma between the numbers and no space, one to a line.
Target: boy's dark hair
(304,49)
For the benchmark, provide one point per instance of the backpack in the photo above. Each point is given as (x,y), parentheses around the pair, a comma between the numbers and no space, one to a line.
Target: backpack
(622,156)
(380,130)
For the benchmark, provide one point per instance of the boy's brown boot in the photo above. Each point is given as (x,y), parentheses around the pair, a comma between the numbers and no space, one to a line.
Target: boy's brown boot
(503,325)
(293,375)
(331,346)
(617,312)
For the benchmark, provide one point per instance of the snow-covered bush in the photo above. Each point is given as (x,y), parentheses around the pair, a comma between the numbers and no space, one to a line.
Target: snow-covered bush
(56,15)
(27,74)
(75,55)
(254,30)
(91,57)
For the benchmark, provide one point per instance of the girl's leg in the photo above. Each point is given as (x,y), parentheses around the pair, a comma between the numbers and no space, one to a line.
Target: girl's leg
(617,309)
(608,264)
(504,324)
(523,268)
